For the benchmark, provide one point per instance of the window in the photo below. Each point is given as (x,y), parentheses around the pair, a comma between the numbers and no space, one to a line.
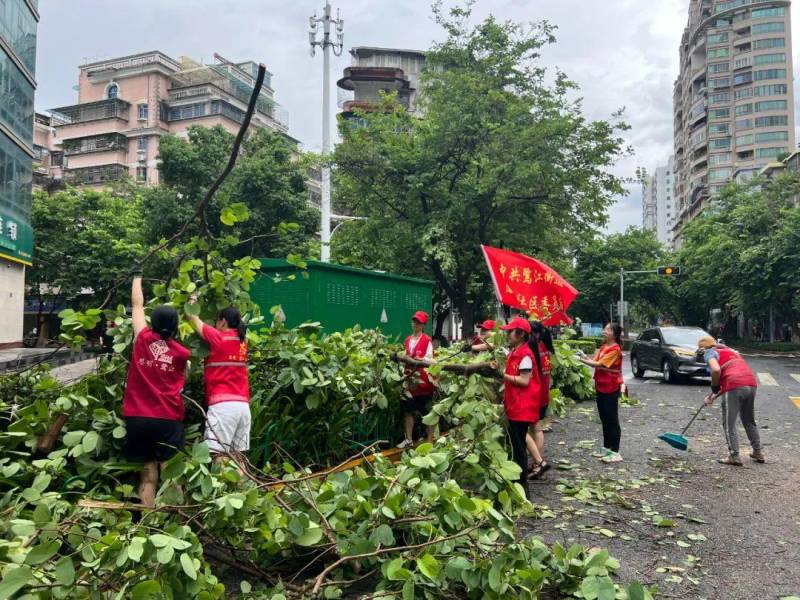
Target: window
(719,67)
(719,174)
(141,174)
(723,158)
(769,43)
(142,142)
(763,13)
(721,82)
(759,28)
(744,109)
(743,78)
(743,93)
(143,112)
(15,179)
(776,121)
(717,38)
(112,92)
(744,124)
(718,53)
(744,140)
(778,89)
(743,63)
(16,106)
(719,98)
(18,28)
(720,144)
(720,113)
(769,59)
(772,136)
(189,111)
(769,152)
(719,129)
(770,105)
(770,74)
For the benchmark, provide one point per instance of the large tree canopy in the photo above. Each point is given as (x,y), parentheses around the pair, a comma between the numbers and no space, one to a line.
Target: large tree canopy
(501,157)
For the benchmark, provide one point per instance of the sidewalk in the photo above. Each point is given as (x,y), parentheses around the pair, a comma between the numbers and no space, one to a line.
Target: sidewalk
(13,359)
(72,372)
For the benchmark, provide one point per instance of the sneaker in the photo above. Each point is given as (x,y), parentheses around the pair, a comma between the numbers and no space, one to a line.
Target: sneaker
(612,457)
(758,456)
(405,444)
(601,452)
(731,460)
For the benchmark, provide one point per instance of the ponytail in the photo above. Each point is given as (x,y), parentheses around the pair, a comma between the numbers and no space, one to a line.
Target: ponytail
(617,329)
(164,321)
(544,335)
(233,318)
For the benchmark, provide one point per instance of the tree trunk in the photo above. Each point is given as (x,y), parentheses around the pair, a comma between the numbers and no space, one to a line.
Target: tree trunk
(467,320)
(440,320)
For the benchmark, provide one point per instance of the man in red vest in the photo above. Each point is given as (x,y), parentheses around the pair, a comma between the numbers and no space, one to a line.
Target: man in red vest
(419,388)
(733,379)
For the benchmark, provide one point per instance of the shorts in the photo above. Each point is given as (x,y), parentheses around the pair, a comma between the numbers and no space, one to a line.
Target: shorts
(148,439)
(417,404)
(228,427)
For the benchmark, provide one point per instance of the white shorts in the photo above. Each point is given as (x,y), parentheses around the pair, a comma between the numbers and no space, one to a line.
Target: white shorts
(228,427)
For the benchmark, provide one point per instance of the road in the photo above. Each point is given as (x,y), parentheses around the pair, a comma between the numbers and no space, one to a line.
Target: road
(725,533)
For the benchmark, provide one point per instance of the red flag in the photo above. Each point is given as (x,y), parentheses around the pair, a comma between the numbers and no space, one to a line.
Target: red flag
(528,284)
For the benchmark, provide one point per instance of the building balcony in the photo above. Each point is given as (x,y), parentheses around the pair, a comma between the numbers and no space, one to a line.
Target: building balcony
(95,143)
(388,77)
(96,175)
(93,111)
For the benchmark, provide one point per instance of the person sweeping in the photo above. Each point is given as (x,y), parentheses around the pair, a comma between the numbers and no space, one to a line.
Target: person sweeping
(734,381)
(607,364)
(152,405)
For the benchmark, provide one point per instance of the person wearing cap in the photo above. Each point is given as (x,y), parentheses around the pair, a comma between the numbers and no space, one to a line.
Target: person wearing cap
(732,378)
(152,405)
(419,387)
(541,344)
(480,341)
(521,392)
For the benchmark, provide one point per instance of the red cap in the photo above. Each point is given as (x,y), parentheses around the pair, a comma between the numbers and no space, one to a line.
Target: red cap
(421,316)
(518,323)
(487,325)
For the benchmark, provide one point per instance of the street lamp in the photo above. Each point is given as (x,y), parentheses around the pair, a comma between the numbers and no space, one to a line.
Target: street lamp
(327,44)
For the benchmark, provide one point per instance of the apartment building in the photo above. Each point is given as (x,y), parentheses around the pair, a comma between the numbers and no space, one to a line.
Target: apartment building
(126,104)
(658,203)
(18,28)
(376,70)
(733,99)
(649,203)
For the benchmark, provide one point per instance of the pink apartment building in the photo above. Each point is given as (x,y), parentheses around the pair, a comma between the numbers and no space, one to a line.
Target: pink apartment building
(126,104)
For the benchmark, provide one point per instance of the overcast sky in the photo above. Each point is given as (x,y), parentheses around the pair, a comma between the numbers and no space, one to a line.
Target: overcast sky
(622,53)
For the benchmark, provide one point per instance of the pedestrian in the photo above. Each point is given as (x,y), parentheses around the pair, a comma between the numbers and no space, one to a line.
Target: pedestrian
(734,381)
(541,344)
(521,393)
(481,341)
(419,387)
(226,382)
(152,405)
(607,364)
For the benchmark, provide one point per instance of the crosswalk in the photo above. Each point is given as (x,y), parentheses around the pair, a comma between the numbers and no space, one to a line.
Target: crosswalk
(767,379)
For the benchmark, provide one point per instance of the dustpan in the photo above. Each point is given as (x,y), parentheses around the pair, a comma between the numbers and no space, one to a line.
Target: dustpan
(677,440)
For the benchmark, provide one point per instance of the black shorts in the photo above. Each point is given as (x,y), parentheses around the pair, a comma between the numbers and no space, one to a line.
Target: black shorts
(417,404)
(148,439)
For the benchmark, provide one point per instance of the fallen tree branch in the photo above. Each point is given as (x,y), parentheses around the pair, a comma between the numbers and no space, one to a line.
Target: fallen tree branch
(484,369)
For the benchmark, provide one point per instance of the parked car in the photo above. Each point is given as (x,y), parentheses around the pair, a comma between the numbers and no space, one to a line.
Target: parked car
(670,350)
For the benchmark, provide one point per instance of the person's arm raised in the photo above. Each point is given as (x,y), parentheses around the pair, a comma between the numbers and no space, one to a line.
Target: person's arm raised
(137,305)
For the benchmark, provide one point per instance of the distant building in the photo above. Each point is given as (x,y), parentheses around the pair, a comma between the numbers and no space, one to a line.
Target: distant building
(649,203)
(658,203)
(18,26)
(376,70)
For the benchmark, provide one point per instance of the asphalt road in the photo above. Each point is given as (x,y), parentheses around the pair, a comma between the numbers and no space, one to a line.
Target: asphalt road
(725,533)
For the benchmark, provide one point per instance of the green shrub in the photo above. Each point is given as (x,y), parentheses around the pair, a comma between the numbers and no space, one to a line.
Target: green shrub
(586,344)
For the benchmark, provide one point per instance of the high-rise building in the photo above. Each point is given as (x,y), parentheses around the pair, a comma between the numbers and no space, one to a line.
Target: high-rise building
(649,203)
(376,70)
(18,25)
(733,99)
(658,203)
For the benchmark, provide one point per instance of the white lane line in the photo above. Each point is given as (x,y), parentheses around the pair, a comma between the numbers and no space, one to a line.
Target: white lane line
(795,377)
(767,379)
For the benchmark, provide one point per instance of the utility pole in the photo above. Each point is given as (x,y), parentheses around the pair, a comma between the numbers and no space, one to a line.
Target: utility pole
(621,310)
(327,44)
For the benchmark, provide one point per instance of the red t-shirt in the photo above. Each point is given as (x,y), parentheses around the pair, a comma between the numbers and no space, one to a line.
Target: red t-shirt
(156,376)
(225,367)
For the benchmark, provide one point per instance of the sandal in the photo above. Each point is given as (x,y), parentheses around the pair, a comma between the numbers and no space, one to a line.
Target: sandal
(538,470)
(544,467)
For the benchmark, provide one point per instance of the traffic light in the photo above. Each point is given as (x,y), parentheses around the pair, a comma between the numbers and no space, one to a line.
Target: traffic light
(669,271)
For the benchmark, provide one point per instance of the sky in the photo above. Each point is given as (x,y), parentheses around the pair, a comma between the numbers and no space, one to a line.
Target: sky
(622,53)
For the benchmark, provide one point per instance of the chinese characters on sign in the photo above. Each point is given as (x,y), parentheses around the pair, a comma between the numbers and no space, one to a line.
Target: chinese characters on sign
(8,228)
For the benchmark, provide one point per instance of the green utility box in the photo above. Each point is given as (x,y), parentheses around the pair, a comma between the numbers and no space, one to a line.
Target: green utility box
(340,297)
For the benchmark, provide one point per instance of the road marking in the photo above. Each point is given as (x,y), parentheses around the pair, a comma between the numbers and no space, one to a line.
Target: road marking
(796,400)
(795,377)
(767,379)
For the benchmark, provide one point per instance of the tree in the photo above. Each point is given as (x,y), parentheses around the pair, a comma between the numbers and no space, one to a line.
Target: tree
(85,239)
(597,267)
(269,178)
(501,157)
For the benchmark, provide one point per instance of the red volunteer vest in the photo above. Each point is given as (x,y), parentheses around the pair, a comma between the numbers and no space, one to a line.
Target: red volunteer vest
(425,387)
(522,403)
(156,376)
(226,367)
(544,354)
(608,381)
(735,371)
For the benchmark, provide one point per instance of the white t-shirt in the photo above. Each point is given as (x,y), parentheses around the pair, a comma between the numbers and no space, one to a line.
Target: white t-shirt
(526,364)
(412,344)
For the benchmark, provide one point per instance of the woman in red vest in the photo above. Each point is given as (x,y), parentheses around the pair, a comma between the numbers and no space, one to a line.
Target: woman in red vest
(227,384)
(541,344)
(521,391)
(607,363)
(733,379)
(152,406)
(418,394)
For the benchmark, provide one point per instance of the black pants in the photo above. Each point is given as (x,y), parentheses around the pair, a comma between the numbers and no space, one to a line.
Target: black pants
(517,430)
(608,409)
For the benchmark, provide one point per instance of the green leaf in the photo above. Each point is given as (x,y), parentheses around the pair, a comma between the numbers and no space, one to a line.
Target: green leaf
(136,549)
(64,571)
(191,309)
(598,588)
(383,535)
(429,566)
(235,213)
(90,441)
(165,555)
(14,581)
(43,552)
(187,563)
(159,540)
(146,590)
(310,536)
